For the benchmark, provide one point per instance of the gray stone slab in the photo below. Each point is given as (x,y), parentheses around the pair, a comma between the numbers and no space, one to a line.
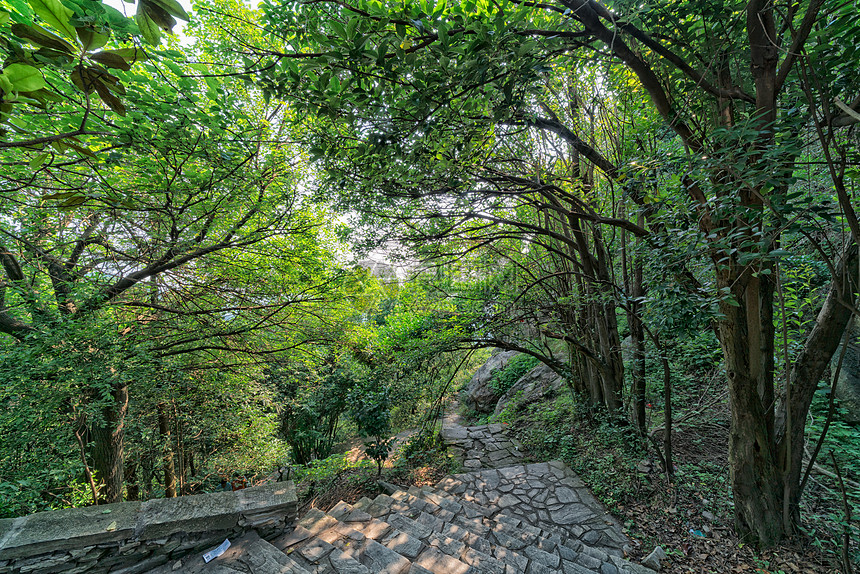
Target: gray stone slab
(571,514)
(344,564)
(315,550)
(574,568)
(199,513)
(587,561)
(511,557)
(482,561)
(454,433)
(403,544)
(382,560)
(271,497)
(374,529)
(435,561)
(284,542)
(6,525)
(46,532)
(546,558)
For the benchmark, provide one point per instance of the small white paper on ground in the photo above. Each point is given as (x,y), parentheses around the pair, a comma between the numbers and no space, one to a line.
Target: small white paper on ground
(213,554)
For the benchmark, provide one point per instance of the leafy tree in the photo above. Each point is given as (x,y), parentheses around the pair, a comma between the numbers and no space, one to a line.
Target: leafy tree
(311,400)
(58,56)
(135,240)
(371,413)
(413,101)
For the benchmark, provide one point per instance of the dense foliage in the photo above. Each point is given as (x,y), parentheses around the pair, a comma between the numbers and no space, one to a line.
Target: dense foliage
(633,194)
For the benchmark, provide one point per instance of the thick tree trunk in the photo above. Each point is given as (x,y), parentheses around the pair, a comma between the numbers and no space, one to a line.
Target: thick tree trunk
(108,442)
(753,465)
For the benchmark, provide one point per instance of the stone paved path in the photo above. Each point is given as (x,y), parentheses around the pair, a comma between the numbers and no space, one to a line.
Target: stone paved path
(546,495)
(484,446)
(503,517)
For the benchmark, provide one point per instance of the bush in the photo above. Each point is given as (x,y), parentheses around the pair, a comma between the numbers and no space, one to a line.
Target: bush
(505,378)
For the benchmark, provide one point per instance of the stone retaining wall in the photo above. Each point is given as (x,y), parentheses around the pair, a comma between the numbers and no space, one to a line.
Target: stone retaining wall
(131,537)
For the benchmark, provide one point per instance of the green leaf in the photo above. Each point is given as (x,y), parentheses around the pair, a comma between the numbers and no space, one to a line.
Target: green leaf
(91,39)
(73,201)
(338,29)
(37,35)
(130,55)
(108,98)
(443,33)
(779,253)
(148,29)
(174,8)
(5,17)
(55,14)
(37,161)
(5,85)
(160,16)
(24,78)
(111,60)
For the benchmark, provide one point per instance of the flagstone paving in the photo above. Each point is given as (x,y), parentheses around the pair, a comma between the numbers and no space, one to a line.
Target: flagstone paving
(484,446)
(503,517)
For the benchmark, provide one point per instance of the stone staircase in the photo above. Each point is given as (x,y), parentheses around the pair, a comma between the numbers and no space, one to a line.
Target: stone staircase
(471,523)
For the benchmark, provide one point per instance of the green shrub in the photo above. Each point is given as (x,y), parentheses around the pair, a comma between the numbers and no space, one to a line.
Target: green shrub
(505,378)
(327,468)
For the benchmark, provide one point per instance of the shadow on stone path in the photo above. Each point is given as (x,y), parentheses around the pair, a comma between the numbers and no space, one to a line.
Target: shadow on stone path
(545,495)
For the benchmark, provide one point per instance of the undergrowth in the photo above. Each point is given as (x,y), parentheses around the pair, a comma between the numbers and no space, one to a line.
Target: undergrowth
(691,516)
(421,460)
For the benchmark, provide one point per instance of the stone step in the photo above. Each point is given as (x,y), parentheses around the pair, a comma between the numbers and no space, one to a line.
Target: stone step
(386,520)
(379,546)
(521,543)
(454,531)
(478,542)
(426,538)
(306,544)
(248,554)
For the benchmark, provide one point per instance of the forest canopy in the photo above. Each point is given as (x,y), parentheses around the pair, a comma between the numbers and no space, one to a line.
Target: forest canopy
(185,228)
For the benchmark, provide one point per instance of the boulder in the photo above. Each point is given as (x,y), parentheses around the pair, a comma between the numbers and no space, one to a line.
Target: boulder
(654,559)
(538,382)
(848,385)
(478,394)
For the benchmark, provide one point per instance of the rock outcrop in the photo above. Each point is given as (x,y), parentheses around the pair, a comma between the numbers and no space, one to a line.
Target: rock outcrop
(538,382)
(479,395)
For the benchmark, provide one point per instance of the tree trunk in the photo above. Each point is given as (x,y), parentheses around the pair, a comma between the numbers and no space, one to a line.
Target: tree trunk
(753,465)
(132,488)
(167,460)
(108,442)
(637,339)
